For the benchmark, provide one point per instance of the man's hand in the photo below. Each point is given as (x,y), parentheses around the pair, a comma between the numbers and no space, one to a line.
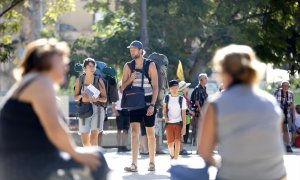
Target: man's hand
(192,113)
(133,76)
(150,111)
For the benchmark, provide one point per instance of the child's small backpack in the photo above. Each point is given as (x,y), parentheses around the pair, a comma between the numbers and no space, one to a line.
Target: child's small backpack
(180,99)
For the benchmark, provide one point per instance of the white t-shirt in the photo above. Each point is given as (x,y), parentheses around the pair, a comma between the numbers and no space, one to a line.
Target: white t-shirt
(118,103)
(174,113)
(297,122)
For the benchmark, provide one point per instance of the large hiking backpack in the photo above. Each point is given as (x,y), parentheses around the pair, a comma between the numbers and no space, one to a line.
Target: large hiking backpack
(161,61)
(108,75)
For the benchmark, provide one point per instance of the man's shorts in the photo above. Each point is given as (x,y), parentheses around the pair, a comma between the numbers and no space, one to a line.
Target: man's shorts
(140,115)
(143,129)
(123,120)
(173,132)
(95,122)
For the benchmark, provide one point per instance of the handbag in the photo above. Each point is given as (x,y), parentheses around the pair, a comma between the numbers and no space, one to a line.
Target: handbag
(134,97)
(84,110)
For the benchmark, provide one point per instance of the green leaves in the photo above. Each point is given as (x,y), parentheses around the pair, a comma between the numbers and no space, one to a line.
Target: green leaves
(55,8)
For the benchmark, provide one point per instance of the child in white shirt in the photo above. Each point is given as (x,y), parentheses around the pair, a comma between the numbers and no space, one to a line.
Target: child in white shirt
(174,109)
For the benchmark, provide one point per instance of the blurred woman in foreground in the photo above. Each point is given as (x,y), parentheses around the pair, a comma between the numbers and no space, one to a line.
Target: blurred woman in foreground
(31,131)
(244,121)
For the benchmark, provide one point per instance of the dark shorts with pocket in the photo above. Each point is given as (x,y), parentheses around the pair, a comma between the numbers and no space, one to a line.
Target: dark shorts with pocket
(123,120)
(140,115)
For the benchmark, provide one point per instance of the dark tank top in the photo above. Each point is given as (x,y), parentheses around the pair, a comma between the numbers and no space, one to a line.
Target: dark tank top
(20,128)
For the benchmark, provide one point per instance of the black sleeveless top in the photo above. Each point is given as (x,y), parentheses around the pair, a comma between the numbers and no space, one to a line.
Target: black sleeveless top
(21,130)
(25,150)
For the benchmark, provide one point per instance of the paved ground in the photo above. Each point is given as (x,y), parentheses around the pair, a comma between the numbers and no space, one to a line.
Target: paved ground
(117,162)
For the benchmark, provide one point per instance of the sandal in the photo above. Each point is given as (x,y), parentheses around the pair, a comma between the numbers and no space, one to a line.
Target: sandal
(132,168)
(151,166)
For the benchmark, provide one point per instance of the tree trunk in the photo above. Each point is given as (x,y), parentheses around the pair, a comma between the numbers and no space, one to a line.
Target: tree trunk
(117,4)
(144,30)
(32,23)
(201,61)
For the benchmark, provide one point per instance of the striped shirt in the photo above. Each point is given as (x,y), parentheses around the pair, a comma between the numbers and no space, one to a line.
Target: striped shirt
(138,83)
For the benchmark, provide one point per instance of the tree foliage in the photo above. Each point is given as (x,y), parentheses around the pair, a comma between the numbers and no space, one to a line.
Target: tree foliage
(192,30)
(12,14)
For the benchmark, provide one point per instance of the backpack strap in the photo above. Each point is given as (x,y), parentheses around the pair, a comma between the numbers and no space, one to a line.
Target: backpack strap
(167,104)
(148,61)
(131,65)
(81,81)
(18,92)
(180,99)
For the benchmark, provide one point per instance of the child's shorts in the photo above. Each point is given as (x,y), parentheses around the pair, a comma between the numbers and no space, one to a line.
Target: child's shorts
(173,132)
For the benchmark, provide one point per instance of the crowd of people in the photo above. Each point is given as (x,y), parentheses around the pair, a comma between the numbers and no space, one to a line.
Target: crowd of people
(239,119)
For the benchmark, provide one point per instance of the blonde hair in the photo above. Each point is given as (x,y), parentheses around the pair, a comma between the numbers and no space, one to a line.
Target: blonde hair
(37,54)
(240,62)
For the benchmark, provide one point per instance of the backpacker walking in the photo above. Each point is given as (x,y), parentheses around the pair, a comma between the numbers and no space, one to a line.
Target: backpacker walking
(175,118)
(91,127)
(133,76)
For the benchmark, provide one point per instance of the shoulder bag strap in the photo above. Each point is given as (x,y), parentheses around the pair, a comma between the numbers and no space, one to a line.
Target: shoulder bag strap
(17,93)
(143,72)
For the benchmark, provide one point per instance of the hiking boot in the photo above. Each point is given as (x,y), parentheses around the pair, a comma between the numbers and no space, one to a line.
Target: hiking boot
(151,167)
(131,168)
(289,149)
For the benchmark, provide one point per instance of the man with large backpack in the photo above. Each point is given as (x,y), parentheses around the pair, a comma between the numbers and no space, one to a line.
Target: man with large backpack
(132,76)
(198,99)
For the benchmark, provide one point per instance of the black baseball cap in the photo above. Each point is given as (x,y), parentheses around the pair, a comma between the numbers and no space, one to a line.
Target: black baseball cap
(173,83)
(136,44)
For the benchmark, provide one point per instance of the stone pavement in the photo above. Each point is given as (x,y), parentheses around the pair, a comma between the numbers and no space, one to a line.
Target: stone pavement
(117,162)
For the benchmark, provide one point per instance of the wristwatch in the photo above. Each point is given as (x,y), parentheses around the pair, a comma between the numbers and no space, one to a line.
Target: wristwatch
(153,105)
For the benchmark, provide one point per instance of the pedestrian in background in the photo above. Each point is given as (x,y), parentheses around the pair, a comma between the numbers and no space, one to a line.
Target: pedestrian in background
(184,90)
(244,121)
(198,99)
(285,99)
(32,133)
(122,120)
